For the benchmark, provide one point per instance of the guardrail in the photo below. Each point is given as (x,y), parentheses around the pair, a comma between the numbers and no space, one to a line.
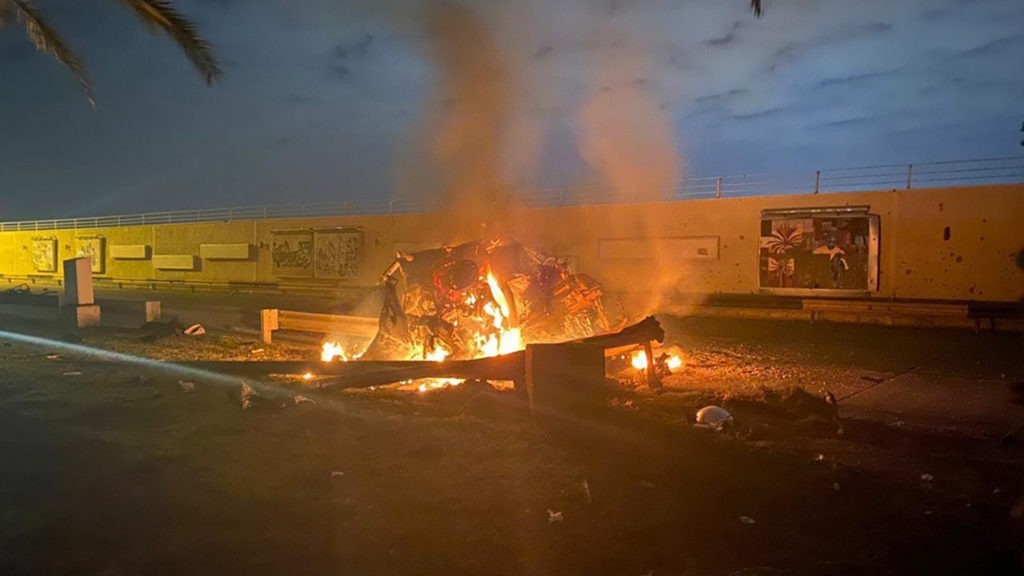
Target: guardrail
(891,176)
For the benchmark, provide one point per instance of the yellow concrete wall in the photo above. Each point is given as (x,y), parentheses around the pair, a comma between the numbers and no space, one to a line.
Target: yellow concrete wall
(976,263)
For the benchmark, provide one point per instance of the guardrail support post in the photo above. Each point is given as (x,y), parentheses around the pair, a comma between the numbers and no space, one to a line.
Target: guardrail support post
(910,175)
(268,323)
(817,181)
(718,187)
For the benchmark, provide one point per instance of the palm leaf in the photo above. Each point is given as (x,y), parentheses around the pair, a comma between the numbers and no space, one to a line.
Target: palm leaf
(47,40)
(162,14)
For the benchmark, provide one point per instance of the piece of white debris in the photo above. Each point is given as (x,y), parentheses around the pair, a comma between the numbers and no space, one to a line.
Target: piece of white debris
(195,330)
(299,399)
(835,486)
(554,516)
(187,385)
(337,473)
(256,351)
(714,416)
(927,477)
(747,520)
(586,490)
(819,458)
(73,373)
(53,356)
(248,396)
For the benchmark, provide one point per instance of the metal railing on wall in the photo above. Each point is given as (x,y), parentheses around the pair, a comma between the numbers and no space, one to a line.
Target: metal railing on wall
(880,177)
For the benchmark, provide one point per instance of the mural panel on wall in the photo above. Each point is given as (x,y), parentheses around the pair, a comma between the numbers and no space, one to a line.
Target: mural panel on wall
(292,252)
(44,254)
(338,253)
(819,249)
(93,247)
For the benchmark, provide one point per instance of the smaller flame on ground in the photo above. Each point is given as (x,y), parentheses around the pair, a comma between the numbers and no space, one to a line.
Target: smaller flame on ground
(639,361)
(331,350)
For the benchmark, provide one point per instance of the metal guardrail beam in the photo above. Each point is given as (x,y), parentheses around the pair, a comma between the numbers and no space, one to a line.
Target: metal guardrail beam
(899,176)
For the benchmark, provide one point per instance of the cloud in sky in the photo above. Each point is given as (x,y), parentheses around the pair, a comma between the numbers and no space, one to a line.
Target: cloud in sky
(332,99)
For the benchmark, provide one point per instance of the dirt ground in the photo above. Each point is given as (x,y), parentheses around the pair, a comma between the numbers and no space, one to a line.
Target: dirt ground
(115,469)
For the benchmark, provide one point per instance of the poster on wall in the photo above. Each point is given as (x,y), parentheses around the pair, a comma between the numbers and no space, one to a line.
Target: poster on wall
(44,254)
(338,253)
(819,249)
(93,247)
(292,253)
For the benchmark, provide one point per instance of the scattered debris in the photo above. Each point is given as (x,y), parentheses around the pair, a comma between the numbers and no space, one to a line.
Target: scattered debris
(747,520)
(927,477)
(299,399)
(74,373)
(195,330)
(336,474)
(53,356)
(554,516)
(248,396)
(187,386)
(715,417)
(256,351)
(621,404)
(155,330)
(586,491)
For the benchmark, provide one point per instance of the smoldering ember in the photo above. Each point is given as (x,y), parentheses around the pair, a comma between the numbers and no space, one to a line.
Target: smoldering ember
(683,288)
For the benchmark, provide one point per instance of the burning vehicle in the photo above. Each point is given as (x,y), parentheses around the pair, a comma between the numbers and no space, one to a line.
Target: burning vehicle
(482,299)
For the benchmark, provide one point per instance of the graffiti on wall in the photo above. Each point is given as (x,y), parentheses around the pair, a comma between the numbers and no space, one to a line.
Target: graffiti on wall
(818,251)
(292,252)
(93,247)
(338,253)
(44,254)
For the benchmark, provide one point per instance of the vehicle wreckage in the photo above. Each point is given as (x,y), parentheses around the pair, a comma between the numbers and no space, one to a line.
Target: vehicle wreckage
(481,299)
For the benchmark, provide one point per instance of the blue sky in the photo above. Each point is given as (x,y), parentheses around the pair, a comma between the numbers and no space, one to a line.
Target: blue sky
(349,100)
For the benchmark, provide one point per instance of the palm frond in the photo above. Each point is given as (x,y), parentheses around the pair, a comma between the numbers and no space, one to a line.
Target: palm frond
(755,5)
(163,15)
(47,40)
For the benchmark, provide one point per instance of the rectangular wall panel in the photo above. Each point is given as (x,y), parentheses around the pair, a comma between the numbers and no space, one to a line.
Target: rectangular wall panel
(174,262)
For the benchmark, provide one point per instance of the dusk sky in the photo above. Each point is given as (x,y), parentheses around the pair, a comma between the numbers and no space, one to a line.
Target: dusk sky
(339,100)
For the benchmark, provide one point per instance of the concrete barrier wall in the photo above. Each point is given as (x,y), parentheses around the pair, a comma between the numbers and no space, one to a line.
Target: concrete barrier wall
(631,248)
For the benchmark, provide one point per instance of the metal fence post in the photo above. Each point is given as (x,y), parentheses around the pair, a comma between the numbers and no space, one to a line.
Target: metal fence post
(817,181)
(718,187)
(910,175)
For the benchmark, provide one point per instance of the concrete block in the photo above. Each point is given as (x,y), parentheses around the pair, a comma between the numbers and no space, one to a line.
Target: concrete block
(174,262)
(82,316)
(225,251)
(129,252)
(78,282)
